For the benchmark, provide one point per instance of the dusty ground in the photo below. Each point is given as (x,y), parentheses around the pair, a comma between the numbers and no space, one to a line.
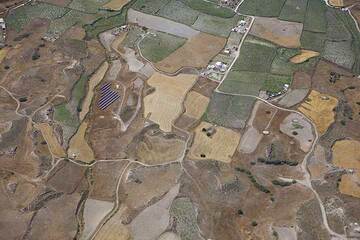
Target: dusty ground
(48,133)
(169,94)
(283,33)
(195,53)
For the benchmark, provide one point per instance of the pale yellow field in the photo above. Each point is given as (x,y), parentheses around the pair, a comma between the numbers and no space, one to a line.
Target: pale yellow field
(54,146)
(220,146)
(350,185)
(93,81)
(346,154)
(319,108)
(196,52)
(196,104)
(115,5)
(79,146)
(3,53)
(304,56)
(165,104)
(336,3)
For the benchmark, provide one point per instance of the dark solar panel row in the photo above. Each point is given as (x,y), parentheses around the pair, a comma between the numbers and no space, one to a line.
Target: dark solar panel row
(108,96)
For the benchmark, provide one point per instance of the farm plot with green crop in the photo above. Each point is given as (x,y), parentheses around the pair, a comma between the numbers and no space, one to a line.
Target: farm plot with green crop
(229,111)
(18,18)
(149,6)
(155,47)
(179,12)
(87,6)
(313,41)
(215,25)
(210,8)
(294,11)
(243,82)
(282,65)
(256,55)
(263,8)
(315,18)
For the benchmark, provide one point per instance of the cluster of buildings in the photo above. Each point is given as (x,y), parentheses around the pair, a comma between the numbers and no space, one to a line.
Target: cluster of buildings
(275,94)
(2,32)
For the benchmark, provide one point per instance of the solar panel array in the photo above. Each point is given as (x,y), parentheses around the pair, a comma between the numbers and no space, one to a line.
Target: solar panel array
(108,96)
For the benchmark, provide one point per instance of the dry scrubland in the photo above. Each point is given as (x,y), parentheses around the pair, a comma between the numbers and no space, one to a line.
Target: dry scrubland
(319,108)
(220,146)
(346,154)
(166,103)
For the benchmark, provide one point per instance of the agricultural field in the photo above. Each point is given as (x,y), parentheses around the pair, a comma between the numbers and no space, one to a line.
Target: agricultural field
(319,108)
(169,94)
(157,45)
(220,146)
(262,8)
(195,53)
(179,119)
(256,55)
(294,11)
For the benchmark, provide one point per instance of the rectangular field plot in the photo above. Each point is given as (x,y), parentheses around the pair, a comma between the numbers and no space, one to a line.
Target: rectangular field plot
(210,8)
(255,55)
(243,82)
(250,83)
(179,12)
(229,111)
(313,41)
(294,10)
(315,18)
(149,6)
(263,8)
(215,25)
(19,17)
(159,46)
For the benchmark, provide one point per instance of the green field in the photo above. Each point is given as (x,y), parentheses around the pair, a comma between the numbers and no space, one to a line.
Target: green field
(313,41)
(149,6)
(294,10)
(18,18)
(282,66)
(250,83)
(87,6)
(215,25)
(350,25)
(243,82)
(263,8)
(105,23)
(156,48)
(179,12)
(210,8)
(256,55)
(229,111)
(64,116)
(315,18)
